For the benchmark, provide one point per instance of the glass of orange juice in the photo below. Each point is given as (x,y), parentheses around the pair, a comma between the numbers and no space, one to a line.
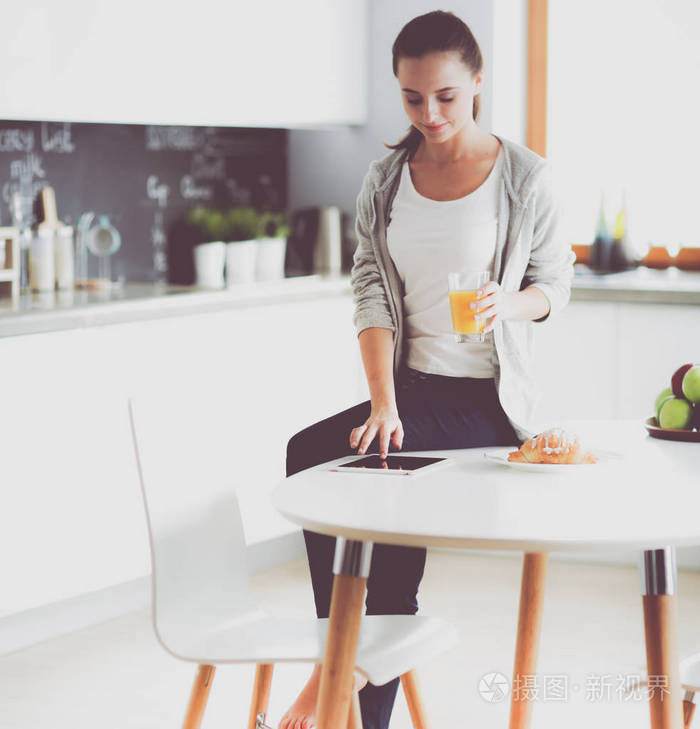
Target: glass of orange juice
(463,286)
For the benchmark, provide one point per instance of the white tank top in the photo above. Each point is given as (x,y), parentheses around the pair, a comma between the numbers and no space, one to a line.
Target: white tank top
(427,239)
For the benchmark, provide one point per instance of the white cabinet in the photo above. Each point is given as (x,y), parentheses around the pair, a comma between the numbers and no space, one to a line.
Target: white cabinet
(611,360)
(575,363)
(654,342)
(263,64)
(72,519)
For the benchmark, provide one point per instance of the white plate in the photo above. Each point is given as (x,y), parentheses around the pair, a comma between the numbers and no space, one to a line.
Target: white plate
(502,458)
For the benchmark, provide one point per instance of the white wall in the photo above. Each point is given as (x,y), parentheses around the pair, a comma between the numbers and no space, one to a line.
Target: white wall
(327,167)
(509,92)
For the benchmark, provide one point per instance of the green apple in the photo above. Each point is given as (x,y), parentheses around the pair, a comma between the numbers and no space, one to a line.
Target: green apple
(659,400)
(675,414)
(696,417)
(661,404)
(691,384)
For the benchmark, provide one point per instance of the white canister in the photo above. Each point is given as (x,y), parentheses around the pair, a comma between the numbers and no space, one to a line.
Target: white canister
(64,259)
(209,264)
(240,261)
(269,263)
(41,261)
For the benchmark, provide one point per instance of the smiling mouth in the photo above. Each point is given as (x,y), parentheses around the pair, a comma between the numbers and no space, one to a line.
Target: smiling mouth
(427,126)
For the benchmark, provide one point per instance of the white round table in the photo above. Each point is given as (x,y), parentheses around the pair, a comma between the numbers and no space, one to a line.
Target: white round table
(644,494)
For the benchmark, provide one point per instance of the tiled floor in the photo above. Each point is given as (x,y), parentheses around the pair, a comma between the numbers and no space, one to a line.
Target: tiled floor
(116,675)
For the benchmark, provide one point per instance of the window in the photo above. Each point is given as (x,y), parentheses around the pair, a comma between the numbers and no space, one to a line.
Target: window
(624,116)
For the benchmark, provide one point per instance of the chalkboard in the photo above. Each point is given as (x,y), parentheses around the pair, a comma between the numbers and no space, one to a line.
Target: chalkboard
(145,178)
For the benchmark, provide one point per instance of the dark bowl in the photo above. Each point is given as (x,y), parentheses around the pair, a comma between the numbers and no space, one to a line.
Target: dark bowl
(656,431)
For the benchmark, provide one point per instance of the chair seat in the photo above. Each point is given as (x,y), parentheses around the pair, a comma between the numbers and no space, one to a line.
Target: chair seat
(689,670)
(389,645)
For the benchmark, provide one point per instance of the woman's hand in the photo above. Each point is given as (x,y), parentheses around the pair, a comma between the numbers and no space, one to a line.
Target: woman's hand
(495,305)
(383,420)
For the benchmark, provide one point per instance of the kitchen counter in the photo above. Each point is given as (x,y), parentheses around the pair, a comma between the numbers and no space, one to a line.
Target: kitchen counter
(639,286)
(55,311)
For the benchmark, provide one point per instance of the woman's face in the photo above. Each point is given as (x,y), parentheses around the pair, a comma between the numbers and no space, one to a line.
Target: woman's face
(438,93)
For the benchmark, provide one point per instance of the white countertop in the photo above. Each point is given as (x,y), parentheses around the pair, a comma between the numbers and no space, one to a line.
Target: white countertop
(640,285)
(55,311)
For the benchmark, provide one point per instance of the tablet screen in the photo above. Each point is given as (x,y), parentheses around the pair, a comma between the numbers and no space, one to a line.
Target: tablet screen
(392,462)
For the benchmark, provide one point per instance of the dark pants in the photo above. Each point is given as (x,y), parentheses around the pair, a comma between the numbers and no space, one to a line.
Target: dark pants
(437,413)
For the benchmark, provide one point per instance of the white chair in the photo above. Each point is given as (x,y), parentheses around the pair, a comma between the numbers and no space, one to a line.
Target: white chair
(690,683)
(203,610)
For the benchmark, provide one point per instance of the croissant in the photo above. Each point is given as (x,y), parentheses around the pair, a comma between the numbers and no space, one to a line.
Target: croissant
(552,446)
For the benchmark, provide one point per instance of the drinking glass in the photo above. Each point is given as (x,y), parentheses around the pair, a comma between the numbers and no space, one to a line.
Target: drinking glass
(463,287)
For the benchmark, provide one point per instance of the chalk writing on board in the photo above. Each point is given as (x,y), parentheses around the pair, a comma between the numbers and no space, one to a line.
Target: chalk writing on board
(206,168)
(158,192)
(56,138)
(191,191)
(25,169)
(186,139)
(239,195)
(159,242)
(27,177)
(16,140)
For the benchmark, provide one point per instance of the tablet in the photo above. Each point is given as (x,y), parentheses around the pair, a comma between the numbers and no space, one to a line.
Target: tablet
(393,464)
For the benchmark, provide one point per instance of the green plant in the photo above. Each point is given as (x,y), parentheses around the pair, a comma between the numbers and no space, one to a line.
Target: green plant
(274,224)
(243,223)
(212,224)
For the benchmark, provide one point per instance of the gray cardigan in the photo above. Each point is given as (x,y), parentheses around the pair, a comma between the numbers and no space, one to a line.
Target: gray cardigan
(528,252)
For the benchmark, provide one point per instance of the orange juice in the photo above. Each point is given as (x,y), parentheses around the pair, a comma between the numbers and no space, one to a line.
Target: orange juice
(463,321)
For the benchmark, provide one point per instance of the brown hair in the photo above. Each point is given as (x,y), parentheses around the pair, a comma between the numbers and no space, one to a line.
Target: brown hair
(437,31)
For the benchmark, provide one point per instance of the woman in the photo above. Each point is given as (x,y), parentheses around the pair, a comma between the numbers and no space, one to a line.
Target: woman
(450,196)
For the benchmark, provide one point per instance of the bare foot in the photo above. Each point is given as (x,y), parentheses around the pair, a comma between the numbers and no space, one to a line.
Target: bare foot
(302,713)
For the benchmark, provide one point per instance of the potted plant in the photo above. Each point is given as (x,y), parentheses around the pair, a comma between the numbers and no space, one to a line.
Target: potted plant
(272,246)
(209,254)
(243,232)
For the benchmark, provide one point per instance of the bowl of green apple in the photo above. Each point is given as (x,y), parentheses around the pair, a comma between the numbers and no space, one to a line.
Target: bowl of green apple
(678,407)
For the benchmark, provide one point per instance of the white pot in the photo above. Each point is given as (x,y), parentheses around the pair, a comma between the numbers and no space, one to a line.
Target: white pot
(209,264)
(269,264)
(240,261)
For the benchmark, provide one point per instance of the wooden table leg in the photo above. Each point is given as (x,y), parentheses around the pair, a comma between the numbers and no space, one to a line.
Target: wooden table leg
(663,670)
(527,643)
(351,569)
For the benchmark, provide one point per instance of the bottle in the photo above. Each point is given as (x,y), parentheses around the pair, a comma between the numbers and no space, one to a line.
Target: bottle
(25,245)
(41,261)
(600,250)
(620,254)
(64,259)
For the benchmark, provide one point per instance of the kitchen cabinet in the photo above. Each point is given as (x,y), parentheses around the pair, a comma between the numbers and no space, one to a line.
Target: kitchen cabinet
(72,520)
(263,64)
(610,359)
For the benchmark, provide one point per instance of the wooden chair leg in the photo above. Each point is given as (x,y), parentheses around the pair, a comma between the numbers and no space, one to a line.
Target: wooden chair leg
(261,692)
(409,683)
(354,715)
(199,696)
(688,709)
(532,587)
